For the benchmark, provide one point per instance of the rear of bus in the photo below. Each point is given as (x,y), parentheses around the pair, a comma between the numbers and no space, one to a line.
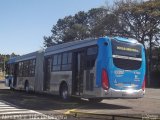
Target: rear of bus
(122,68)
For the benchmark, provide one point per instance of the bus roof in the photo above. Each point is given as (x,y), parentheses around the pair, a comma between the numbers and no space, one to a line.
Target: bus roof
(67,47)
(123,39)
(27,56)
(11,60)
(70,46)
(23,57)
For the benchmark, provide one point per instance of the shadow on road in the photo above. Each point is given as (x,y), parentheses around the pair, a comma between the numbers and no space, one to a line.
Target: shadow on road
(36,101)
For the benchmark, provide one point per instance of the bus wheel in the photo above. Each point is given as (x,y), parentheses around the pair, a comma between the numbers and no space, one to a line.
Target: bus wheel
(64,92)
(26,87)
(95,100)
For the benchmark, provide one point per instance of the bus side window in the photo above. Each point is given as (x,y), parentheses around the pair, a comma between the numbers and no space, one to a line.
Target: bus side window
(56,63)
(25,69)
(91,57)
(20,69)
(32,64)
(66,61)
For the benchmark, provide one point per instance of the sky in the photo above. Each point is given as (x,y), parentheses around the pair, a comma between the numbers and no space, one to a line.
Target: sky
(23,23)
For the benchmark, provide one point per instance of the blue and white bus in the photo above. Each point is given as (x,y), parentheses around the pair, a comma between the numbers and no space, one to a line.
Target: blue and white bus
(96,69)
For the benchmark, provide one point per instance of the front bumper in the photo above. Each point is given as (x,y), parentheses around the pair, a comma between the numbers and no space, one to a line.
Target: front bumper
(129,93)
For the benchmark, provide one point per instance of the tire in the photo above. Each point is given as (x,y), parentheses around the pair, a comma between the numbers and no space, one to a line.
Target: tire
(64,92)
(26,87)
(11,88)
(95,100)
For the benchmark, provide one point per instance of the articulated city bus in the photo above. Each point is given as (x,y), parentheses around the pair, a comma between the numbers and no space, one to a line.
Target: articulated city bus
(94,69)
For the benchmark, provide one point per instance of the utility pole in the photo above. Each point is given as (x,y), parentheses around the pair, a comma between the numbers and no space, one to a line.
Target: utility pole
(150,58)
(4,65)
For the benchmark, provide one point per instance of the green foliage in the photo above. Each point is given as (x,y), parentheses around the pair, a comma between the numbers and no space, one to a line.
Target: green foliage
(4,59)
(48,41)
(140,20)
(92,24)
(131,18)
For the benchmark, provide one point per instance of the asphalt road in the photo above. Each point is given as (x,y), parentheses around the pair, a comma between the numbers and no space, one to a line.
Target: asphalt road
(53,106)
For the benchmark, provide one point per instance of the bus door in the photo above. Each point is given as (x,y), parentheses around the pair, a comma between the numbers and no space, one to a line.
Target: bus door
(47,74)
(15,74)
(78,72)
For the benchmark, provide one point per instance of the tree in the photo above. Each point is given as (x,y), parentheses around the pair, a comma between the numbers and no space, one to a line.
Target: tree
(95,18)
(68,29)
(140,20)
(3,61)
(76,32)
(48,41)
(80,26)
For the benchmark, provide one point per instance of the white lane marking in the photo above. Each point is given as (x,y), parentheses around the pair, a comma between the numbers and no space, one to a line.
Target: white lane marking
(6,107)
(12,110)
(2,103)
(19,112)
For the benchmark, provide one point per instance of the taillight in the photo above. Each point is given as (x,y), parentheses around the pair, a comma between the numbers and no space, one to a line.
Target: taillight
(105,80)
(144,84)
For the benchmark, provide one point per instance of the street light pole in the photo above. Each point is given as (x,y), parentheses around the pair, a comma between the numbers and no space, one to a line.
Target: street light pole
(4,65)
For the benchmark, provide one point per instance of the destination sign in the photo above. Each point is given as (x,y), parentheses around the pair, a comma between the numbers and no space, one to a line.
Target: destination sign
(127,49)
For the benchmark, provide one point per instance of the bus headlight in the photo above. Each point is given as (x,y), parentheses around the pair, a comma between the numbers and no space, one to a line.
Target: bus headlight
(130,91)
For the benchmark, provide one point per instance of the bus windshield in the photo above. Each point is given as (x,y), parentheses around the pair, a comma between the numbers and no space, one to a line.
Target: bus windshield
(126,56)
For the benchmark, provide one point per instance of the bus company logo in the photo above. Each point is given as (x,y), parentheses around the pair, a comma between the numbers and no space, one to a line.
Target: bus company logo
(136,78)
(115,81)
(137,73)
(118,72)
